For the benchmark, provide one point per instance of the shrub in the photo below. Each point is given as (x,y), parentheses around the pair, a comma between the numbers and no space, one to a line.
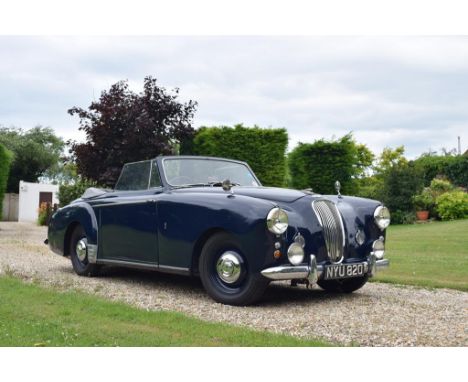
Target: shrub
(399,185)
(263,149)
(5,162)
(69,192)
(318,165)
(403,217)
(45,212)
(424,201)
(439,186)
(452,205)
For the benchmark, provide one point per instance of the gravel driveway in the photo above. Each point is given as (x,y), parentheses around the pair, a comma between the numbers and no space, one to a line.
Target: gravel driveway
(376,315)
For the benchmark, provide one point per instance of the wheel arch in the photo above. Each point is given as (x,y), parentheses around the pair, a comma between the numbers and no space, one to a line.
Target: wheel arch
(65,220)
(67,237)
(200,243)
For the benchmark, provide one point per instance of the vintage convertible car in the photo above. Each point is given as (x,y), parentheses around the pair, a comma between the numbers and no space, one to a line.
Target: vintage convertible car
(211,217)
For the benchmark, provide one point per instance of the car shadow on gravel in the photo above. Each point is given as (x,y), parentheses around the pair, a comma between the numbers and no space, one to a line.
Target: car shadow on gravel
(144,277)
(280,294)
(277,294)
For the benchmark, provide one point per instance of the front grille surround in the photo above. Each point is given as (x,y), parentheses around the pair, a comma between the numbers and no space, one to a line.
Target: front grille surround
(332,225)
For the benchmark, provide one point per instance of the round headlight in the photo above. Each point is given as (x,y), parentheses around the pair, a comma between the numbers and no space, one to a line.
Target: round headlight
(378,247)
(295,254)
(277,221)
(382,217)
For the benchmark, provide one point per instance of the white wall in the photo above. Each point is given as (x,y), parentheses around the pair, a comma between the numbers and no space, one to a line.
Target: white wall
(10,207)
(29,199)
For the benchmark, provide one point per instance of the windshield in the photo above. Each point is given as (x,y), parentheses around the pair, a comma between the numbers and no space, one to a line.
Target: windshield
(194,171)
(138,176)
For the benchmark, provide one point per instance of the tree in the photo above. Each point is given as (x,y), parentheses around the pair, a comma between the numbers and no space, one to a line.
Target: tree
(64,172)
(35,151)
(390,158)
(123,127)
(364,159)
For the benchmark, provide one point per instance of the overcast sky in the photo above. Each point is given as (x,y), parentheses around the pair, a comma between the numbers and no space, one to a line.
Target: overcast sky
(410,91)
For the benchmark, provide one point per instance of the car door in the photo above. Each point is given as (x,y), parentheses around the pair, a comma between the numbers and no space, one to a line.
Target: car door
(128,225)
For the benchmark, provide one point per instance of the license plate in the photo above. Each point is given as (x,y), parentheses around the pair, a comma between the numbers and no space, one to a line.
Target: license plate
(343,271)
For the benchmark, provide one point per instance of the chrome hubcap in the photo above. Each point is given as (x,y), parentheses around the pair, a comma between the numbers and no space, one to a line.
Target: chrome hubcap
(229,267)
(81,249)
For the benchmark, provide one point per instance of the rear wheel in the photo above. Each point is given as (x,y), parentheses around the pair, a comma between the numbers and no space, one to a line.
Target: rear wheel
(79,254)
(343,286)
(225,275)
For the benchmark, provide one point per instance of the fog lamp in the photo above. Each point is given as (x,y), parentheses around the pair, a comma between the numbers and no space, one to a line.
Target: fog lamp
(295,254)
(378,248)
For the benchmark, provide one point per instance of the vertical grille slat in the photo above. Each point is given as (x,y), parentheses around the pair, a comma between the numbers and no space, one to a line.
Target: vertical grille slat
(333,229)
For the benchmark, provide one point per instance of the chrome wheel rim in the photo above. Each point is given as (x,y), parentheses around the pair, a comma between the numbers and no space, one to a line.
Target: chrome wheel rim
(229,267)
(82,249)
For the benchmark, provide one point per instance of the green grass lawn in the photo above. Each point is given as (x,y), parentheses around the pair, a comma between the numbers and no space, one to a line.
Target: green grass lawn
(431,255)
(31,315)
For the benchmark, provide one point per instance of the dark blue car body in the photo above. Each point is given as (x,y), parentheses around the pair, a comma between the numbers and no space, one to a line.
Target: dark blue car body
(166,228)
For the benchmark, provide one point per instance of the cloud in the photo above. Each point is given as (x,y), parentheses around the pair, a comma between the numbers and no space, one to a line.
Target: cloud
(389,91)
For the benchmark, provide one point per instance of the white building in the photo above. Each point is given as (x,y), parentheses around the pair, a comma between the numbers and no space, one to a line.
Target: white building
(31,195)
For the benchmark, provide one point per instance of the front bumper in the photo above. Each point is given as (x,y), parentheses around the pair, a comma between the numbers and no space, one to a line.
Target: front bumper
(313,271)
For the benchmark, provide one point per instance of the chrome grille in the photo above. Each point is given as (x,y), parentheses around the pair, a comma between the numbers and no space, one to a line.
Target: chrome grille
(333,230)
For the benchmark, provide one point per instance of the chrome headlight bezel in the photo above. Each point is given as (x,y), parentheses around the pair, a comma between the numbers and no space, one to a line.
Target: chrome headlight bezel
(277,221)
(382,217)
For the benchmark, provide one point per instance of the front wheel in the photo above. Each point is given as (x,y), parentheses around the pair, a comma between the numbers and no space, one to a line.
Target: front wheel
(79,254)
(225,275)
(344,286)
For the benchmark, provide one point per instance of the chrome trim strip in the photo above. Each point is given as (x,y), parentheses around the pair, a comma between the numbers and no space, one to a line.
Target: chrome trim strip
(154,267)
(120,203)
(125,263)
(177,270)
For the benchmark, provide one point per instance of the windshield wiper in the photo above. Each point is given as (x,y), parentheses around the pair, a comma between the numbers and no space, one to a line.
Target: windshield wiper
(220,183)
(191,185)
(207,184)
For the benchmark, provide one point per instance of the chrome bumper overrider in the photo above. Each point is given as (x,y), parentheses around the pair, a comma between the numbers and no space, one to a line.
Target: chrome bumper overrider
(313,271)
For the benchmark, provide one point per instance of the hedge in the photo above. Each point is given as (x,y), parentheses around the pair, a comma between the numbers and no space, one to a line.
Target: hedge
(318,165)
(5,162)
(457,171)
(454,168)
(263,149)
